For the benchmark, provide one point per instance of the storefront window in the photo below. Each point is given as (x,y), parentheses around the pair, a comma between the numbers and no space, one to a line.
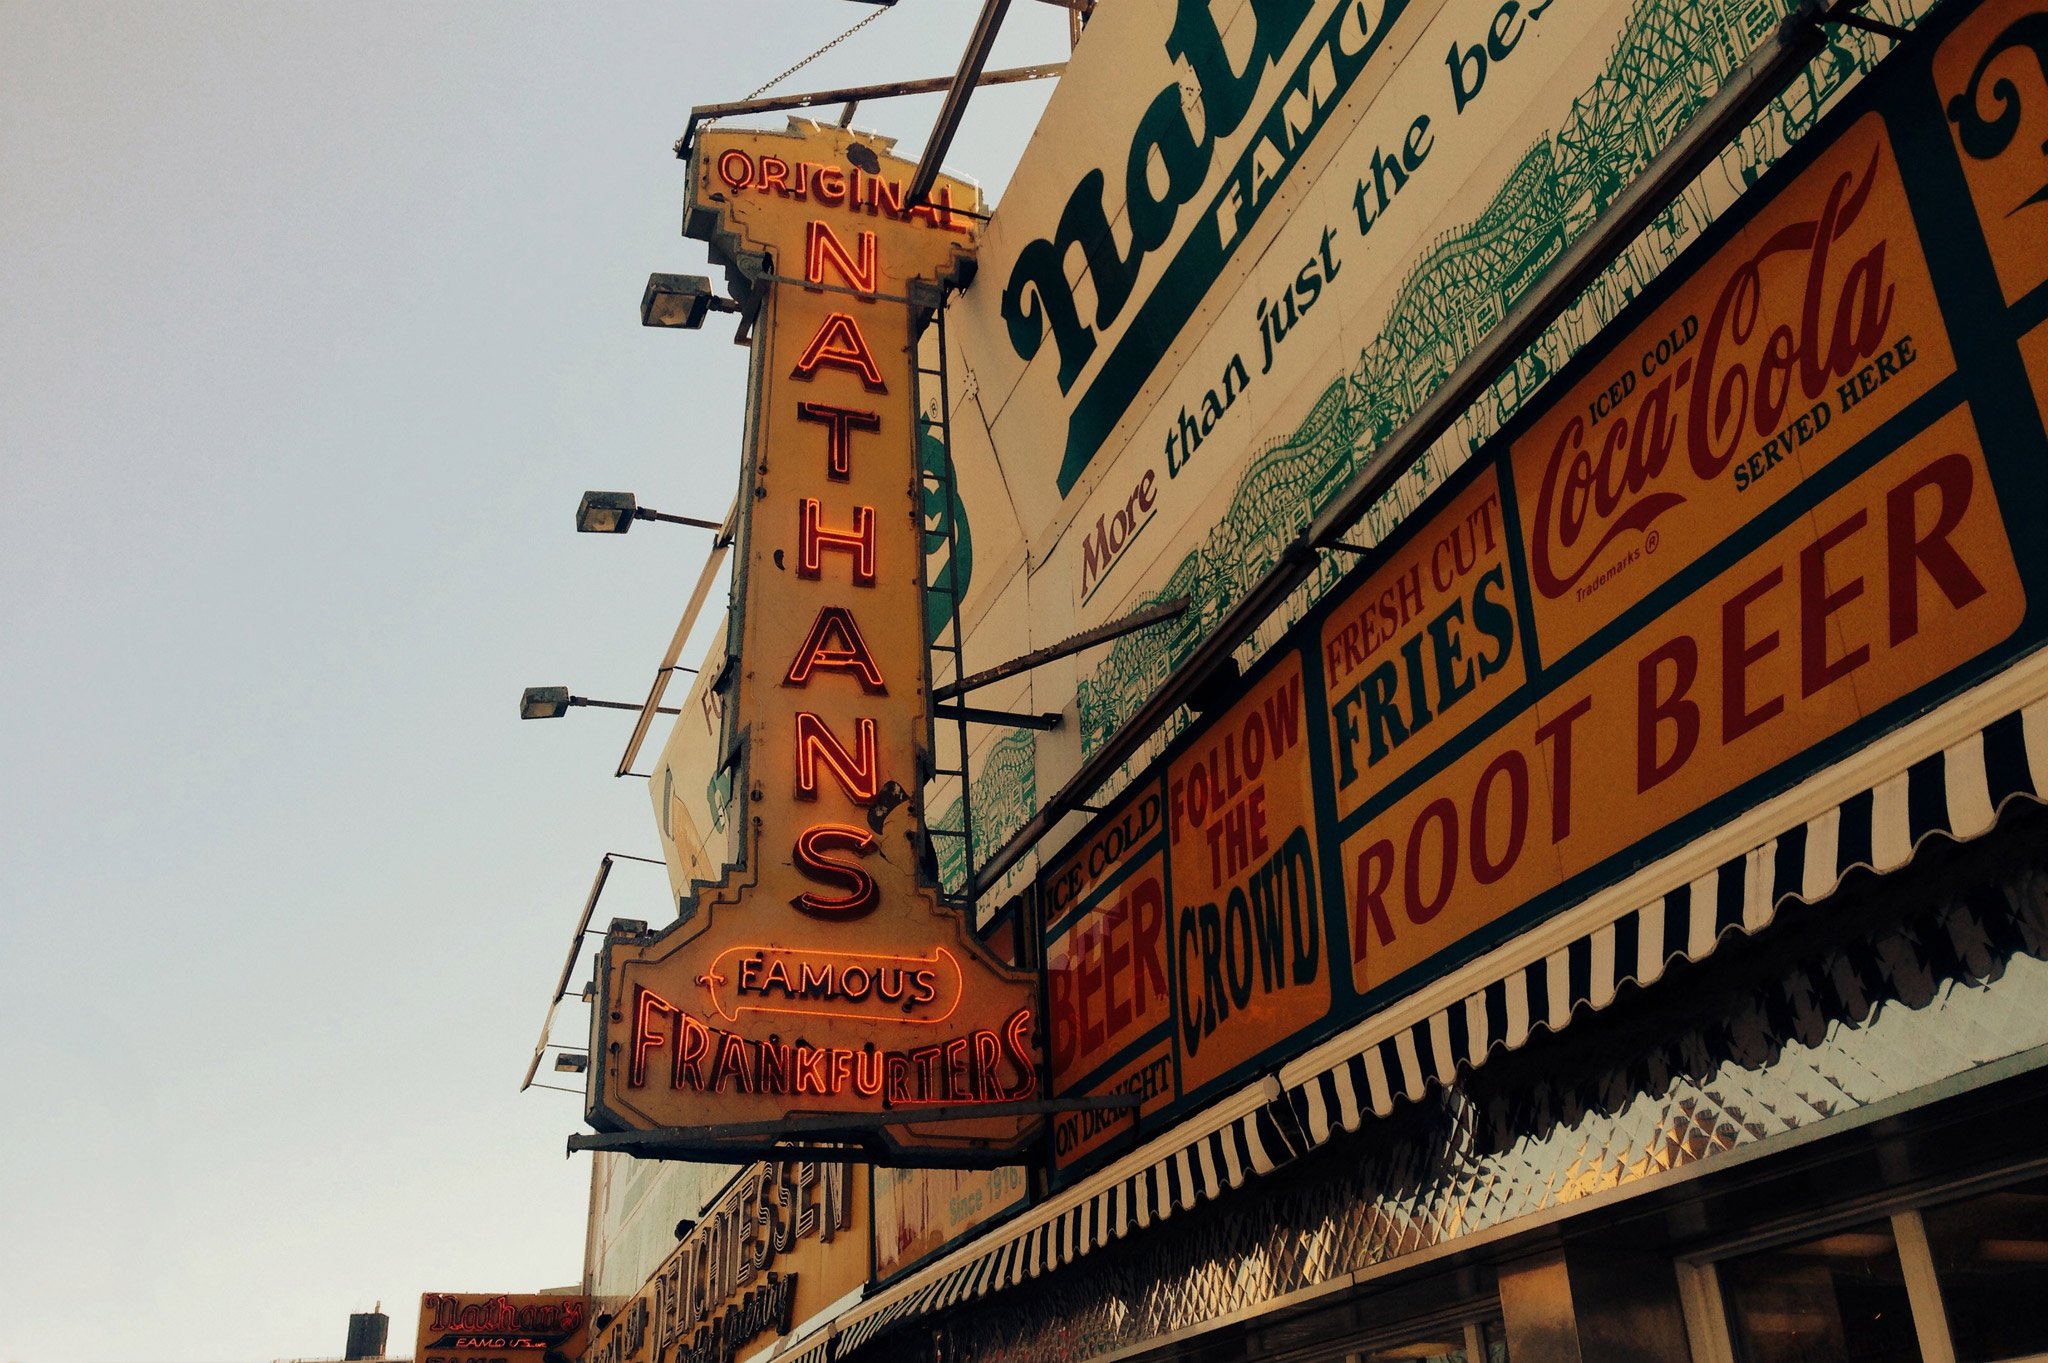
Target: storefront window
(1478,1342)
(1991,1258)
(1838,1299)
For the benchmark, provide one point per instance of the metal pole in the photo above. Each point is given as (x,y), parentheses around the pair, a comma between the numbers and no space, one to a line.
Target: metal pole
(547,1026)
(955,107)
(852,94)
(1087,638)
(627,704)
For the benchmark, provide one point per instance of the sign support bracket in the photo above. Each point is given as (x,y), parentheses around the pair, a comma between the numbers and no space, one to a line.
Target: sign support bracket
(826,1133)
(1087,638)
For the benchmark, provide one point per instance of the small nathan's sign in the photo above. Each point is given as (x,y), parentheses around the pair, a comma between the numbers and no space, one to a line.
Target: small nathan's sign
(468,1327)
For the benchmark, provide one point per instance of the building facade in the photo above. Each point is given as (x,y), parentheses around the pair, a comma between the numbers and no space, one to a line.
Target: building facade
(1603,912)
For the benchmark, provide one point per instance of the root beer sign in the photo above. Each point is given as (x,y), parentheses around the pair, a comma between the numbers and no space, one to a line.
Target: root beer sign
(1768,515)
(821,975)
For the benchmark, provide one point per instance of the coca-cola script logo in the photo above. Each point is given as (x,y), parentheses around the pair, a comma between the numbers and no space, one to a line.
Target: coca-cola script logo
(1741,383)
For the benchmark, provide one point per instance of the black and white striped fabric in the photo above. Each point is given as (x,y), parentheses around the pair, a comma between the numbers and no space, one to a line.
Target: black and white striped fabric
(1957,792)
(1196,1168)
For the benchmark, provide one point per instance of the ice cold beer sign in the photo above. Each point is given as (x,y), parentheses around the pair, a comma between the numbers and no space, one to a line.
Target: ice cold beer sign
(821,975)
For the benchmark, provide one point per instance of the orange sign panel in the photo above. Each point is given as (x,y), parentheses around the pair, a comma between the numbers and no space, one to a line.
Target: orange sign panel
(1880,589)
(1814,325)
(822,976)
(1993,77)
(1110,1000)
(1776,511)
(1428,641)
(1250,960)
(1107,979)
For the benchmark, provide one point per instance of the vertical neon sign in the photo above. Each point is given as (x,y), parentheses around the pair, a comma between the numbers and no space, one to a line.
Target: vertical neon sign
(822,974)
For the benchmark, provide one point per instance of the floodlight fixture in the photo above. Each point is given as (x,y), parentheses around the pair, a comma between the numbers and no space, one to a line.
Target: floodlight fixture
(544,702)
(572,1062)
(681,300)
(613,513)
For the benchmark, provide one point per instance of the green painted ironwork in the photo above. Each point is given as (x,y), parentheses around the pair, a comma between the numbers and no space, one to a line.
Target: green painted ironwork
(1005,796)
(1670,59)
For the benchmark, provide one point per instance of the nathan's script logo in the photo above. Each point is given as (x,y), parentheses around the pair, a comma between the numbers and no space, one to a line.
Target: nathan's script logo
(1986,138)
(1179,136)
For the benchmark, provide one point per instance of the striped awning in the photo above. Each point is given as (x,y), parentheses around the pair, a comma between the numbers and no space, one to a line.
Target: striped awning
(816,1348)
(1948,773)
(1956,791)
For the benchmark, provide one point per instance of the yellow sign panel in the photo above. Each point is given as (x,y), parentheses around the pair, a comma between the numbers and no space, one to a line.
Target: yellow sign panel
(477,1327)
(1425,644)
(1742,386)
(821,975)
(1249,948)
(919,1211)
(786,1242)
(1874,593)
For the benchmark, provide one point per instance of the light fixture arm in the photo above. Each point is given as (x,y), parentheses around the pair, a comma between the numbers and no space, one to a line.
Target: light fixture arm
(641,513)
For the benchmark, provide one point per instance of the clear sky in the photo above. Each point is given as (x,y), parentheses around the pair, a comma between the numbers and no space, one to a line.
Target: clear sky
(315,320)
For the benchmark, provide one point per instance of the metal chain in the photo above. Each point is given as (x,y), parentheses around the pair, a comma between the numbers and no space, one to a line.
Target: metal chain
(819,53)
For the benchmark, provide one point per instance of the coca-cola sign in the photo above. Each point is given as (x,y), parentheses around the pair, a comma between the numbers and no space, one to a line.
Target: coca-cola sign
(1742,386)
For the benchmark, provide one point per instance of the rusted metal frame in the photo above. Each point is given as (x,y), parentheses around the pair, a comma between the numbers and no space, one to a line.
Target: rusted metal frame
(979,44)
(547,1026)
(1011,719)
(1749,88)
(852,94)
(719,548)
(583,930)
(1087,638)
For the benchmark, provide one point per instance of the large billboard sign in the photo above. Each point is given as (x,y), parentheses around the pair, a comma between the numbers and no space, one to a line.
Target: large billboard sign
(820,974)
(1247,243)
(1778,508)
